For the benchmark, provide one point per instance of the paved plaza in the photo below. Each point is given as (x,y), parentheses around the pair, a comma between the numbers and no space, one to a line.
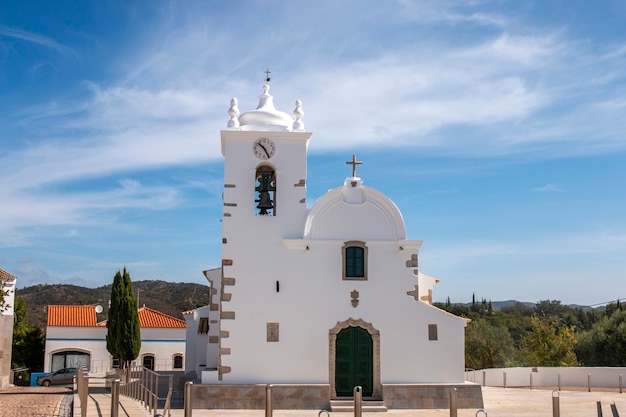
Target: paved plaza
(509,402)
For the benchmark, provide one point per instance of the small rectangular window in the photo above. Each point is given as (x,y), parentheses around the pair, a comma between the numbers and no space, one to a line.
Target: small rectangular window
(354,261)
(432,332)
(203,325)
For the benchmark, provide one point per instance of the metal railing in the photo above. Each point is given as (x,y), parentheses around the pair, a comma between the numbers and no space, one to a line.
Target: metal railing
(145,385)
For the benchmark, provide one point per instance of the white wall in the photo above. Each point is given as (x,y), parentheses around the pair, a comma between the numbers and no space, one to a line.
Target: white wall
(162,343)
(196,344)
(313,298)
(549,376)
(90,340)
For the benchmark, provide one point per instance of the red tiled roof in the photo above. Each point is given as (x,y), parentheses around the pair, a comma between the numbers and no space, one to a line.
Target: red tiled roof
(5,275)
(71,316)
(152,318)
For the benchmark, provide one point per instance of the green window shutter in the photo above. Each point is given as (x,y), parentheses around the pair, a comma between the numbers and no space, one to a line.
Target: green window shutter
(355,261)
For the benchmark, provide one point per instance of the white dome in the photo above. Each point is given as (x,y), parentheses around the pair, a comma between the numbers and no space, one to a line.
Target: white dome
(354,212)
(265,117)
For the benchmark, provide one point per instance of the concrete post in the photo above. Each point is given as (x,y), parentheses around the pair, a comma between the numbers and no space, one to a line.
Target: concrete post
(188,399)
(453,406)
(115,398)
(268,400)
(556,410)
(358,392)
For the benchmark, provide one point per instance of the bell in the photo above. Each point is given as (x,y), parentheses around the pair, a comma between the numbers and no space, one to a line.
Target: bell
(265,203)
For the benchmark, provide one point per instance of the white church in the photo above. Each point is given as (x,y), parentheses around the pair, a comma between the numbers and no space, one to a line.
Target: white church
(318,298)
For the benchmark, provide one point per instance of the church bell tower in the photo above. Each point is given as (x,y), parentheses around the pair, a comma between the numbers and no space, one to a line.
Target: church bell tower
(265,171)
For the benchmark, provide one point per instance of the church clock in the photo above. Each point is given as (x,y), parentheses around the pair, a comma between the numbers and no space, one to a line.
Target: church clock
(264,148)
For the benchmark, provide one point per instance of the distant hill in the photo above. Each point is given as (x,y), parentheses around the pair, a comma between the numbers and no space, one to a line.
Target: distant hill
(499,305)
(171,298)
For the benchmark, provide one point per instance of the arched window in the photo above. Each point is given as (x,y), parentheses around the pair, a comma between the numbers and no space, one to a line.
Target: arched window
(178,361)
(354,261)
(148,362)
(70,359)
(265,191)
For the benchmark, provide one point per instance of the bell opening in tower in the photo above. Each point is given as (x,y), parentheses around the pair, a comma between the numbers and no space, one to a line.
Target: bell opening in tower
(265,191)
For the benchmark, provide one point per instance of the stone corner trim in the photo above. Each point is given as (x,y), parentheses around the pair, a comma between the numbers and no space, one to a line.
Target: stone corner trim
(227,315)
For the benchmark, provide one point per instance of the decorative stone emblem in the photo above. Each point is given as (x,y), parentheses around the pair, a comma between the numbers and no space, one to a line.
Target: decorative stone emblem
(355,298)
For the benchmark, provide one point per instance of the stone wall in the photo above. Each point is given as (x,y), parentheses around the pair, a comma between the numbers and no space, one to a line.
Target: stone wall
(424,396)
(317,396)
(252,396)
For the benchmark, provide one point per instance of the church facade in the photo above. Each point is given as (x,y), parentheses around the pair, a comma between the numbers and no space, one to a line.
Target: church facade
(324,295)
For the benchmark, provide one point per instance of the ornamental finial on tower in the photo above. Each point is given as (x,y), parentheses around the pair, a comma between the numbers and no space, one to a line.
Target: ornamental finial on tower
(233,112)
(267,76)
(298,113)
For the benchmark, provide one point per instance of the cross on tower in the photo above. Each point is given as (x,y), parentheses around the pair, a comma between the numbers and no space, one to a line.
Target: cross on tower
(354,163)
(267,75)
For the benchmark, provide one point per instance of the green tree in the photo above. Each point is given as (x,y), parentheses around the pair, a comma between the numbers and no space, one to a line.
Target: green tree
(549,343)
(488,346)
(28,341)
(123,332)
(605,343)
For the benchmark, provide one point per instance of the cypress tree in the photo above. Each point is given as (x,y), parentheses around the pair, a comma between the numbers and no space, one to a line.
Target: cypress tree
(123,331)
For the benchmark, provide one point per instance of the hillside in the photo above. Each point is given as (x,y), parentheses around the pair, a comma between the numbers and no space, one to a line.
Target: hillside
(171,298)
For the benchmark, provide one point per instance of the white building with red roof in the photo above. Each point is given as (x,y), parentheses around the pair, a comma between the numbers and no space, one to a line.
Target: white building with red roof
(74,339)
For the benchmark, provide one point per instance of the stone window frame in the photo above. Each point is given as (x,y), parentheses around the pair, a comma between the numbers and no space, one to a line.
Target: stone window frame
(182,361)
(351,244)
(149,355)
(377,393)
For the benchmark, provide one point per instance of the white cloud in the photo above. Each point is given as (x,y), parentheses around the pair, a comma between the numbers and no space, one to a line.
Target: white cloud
(548,188)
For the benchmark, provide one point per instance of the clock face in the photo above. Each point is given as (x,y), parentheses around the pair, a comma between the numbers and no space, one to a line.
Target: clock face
(264,148)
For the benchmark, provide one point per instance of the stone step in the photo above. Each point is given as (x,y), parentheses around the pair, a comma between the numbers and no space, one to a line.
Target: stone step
(366,406)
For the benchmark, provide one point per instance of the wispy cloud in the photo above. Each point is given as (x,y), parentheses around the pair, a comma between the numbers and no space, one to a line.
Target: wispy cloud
(548,188)
(38,39)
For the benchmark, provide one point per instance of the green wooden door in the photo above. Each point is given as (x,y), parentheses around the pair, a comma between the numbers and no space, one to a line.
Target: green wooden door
(354,362)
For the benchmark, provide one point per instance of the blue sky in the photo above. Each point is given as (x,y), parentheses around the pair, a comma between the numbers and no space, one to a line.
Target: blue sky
(497,127)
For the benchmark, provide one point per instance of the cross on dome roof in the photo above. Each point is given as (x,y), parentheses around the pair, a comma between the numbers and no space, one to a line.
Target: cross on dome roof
(354,163)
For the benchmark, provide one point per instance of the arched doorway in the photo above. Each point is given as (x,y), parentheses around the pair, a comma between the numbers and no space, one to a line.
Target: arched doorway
(354,363)
(355,359)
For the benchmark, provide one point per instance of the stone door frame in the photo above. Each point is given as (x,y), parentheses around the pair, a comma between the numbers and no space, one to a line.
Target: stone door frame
(332,342)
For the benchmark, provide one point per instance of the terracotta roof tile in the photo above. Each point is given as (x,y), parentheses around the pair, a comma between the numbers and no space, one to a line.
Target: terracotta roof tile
(5,275)
(71,316)
(152,318)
